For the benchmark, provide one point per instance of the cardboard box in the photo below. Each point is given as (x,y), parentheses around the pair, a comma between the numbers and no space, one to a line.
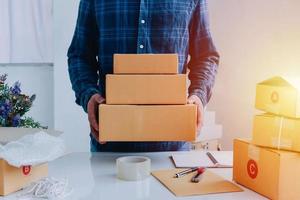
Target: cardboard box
(147,122)
(279,96)
(276,132)
(145,63)
(13,179)
(146,89)
(272,173)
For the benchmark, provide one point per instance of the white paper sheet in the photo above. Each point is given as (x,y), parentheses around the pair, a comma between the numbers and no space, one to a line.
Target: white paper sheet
(200,159)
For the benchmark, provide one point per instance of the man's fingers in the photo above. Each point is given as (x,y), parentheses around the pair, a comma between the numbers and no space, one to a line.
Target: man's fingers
(93,121)
(191,101)
(95,133)
(99,99)
(199,118)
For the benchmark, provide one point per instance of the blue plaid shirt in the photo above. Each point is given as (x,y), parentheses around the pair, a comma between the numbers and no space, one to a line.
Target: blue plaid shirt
(141,26)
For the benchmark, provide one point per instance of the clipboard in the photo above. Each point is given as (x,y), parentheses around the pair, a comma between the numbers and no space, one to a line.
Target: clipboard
(210,183)
(213,159)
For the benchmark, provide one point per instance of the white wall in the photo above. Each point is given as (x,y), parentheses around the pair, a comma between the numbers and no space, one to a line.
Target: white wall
(69,117)
(35,79)
(26,31)
(256,39)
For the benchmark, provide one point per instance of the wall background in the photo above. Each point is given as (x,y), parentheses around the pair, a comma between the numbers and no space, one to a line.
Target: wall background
(26,31)
(67,115)
(35,79)
(256,39)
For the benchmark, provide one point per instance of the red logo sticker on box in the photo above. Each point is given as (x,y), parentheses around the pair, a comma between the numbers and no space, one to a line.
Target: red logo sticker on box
(252,169)
(26,170)
(274,97)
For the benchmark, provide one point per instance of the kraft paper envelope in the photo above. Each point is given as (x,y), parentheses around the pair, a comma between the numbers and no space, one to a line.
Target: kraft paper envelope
(210,183)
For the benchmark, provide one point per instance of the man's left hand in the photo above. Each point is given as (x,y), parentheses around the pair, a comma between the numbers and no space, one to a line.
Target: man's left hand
(193,99)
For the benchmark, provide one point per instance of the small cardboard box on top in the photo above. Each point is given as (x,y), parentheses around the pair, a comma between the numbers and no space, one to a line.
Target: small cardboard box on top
(13,178)
(280,96)
(147,122)
(272,173)
(145,63)
(146,89)
(276,132)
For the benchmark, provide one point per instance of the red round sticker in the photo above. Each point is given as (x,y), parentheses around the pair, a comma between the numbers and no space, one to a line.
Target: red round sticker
(26,170)
(252,169)
(274,97)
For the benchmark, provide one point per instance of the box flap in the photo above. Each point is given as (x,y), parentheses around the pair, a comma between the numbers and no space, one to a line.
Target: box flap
(283,81)
(8,134)
(279,152)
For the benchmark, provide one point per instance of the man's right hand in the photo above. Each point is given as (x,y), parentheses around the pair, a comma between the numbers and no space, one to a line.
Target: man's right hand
(92,109)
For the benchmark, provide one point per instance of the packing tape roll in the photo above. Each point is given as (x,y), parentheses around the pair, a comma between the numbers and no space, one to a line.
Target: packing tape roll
(133,168)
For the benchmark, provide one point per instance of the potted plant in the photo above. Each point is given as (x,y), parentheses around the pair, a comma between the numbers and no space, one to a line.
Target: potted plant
(14,105)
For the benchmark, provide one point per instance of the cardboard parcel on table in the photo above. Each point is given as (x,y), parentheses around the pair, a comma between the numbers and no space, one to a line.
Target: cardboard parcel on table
(276,132)
(280,96)
(14,178)
(272,173)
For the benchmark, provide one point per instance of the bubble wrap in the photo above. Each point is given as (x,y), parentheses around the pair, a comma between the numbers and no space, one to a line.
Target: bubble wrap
(32,150)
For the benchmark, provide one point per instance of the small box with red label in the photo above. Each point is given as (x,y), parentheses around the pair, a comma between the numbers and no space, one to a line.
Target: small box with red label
(13,179)
(280,96)
(272,173)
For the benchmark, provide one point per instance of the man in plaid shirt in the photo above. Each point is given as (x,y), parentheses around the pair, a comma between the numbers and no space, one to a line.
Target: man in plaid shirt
(106,27)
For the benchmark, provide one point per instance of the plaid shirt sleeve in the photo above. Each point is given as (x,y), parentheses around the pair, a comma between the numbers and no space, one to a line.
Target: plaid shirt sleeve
(204,57)
(82,54)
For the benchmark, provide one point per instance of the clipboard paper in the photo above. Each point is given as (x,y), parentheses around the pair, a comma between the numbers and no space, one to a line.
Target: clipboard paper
(210,183)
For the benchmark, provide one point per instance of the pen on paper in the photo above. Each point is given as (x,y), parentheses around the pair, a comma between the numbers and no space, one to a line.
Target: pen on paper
(185,172)
(198,176)
(212,158)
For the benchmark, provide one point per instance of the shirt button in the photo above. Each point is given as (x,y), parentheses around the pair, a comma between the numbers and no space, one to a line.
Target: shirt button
(141,46)
(143,21)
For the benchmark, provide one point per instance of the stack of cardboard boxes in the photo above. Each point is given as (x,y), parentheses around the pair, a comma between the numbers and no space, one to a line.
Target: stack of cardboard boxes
(146,101)
(264,164)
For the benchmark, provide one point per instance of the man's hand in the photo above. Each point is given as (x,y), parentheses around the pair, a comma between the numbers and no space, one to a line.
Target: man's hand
(92,109)
(193,99)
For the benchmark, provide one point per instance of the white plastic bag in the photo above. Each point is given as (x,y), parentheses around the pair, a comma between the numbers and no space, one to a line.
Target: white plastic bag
(32,150)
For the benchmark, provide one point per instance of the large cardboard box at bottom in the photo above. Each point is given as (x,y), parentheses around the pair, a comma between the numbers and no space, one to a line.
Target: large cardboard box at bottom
(272,173)
(13,179)
(276,132)
(147,122)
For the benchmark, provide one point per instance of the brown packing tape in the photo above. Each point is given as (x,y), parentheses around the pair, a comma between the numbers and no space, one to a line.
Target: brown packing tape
(253,152)
(280,123)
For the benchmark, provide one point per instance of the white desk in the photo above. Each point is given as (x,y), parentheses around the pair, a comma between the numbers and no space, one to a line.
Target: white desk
(93,177)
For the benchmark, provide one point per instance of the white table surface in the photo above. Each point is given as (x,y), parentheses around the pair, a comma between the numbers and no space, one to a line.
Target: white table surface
(93,177)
